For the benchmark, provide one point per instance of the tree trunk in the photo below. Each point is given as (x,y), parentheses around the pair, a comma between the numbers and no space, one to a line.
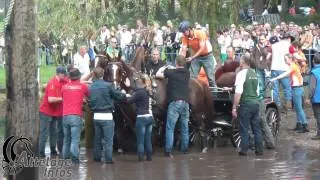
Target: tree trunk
(234,16)
(22,118)
(103,7)
(284,6)
(258,6)
(146,11)
(171,9)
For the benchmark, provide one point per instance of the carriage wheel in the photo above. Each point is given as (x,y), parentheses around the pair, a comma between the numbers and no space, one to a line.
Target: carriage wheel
(195,137)
(273,120)
(235,138)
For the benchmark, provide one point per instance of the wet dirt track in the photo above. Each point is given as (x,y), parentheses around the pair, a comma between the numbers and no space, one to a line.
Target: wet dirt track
(296,157)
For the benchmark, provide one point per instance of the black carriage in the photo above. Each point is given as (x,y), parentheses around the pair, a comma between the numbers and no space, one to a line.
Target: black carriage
(223,124)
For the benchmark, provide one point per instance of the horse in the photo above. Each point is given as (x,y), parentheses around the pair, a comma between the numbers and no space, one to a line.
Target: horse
(200,98)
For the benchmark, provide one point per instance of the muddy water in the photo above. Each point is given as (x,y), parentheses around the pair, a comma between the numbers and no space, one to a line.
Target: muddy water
(288,161)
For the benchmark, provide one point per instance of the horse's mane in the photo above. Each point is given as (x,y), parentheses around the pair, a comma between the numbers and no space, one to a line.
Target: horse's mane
(138,59)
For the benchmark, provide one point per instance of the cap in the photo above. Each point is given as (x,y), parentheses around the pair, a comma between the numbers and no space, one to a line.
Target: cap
(61,70)
(74,74)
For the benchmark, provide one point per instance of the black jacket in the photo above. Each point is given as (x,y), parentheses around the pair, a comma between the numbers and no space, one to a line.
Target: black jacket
(101,96)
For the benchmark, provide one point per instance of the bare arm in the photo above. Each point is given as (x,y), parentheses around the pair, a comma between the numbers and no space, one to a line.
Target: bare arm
(183,51)
(160,73)
(54,99)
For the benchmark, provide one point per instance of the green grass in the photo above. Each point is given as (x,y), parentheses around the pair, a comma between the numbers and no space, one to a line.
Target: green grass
(46,72)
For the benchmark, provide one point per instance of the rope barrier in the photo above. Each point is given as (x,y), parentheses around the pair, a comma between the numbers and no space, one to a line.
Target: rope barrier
(8,17)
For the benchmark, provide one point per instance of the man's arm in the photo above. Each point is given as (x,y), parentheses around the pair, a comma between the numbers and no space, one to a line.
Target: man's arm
(202,45)
(160,73)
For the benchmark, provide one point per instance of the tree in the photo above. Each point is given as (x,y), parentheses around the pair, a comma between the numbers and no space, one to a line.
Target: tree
(22,117)
(258,6)
(284,6)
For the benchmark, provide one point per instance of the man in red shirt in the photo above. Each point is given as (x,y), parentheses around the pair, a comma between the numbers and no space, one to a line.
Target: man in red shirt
(73,94)
(51,114)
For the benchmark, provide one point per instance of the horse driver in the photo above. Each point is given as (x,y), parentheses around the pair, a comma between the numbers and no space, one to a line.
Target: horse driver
(201,47)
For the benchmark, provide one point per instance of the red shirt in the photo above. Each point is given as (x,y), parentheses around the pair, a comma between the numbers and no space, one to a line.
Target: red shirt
(53,89)
(73,94)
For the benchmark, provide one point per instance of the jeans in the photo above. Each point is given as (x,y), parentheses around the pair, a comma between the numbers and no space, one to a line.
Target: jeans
(297,101)
(144,135)
(177,109)
(265,128)
(48,123)
(262,80)
(316,112)
(208,63)
(103,138)
(60,134)
(285,82)
(248,115)
(72,125)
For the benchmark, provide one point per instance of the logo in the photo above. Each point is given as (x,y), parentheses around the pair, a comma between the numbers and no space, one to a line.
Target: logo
(17,154)
(10,163)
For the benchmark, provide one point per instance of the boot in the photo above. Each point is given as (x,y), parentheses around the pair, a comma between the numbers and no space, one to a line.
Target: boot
(304,129)
(298,127)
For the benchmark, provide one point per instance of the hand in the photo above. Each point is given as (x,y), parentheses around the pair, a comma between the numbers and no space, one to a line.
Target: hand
(227,88)
(128,95)
(234,113)
(273,79)
(189,59)
(123,91)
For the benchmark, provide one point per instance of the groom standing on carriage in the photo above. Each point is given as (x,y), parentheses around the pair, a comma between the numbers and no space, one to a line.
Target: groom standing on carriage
(201,48)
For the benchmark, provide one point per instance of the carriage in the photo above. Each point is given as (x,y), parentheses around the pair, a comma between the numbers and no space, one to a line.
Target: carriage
(229,128)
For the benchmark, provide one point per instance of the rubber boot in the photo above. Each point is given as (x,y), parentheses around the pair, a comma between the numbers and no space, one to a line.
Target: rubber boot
(298,127)
(304,129)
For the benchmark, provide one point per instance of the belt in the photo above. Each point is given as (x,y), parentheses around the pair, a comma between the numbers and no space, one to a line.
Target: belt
(145,115)
(205,54)
(293,87)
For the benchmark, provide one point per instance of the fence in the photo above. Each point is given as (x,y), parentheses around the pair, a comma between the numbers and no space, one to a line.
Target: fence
(269,18)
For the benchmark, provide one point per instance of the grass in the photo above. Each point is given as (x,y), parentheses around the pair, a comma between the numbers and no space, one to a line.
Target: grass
(46,72)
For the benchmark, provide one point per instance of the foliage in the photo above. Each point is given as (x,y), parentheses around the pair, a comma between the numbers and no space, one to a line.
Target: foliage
(302,20)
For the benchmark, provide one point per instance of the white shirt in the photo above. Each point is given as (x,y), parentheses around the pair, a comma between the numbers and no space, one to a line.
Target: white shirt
(247,44)
(125,38)
(240,80)
(82,63)
(279,50)
(224,42)
(158,40)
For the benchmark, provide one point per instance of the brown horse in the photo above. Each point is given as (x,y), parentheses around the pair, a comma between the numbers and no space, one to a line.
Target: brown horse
(200,98)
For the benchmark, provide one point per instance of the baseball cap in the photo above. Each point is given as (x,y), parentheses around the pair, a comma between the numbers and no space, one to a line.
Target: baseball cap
(61,70)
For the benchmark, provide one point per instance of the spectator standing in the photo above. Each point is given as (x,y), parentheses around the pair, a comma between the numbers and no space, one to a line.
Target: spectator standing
(102,96)
(178,98)
(51,114)
(315,92)
(144,122)
(279,66)
(297,89)
(246,106)
(81,61)
(73,94)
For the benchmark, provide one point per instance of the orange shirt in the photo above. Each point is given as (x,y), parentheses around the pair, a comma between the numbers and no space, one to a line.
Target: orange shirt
(194,43)
(295,75)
